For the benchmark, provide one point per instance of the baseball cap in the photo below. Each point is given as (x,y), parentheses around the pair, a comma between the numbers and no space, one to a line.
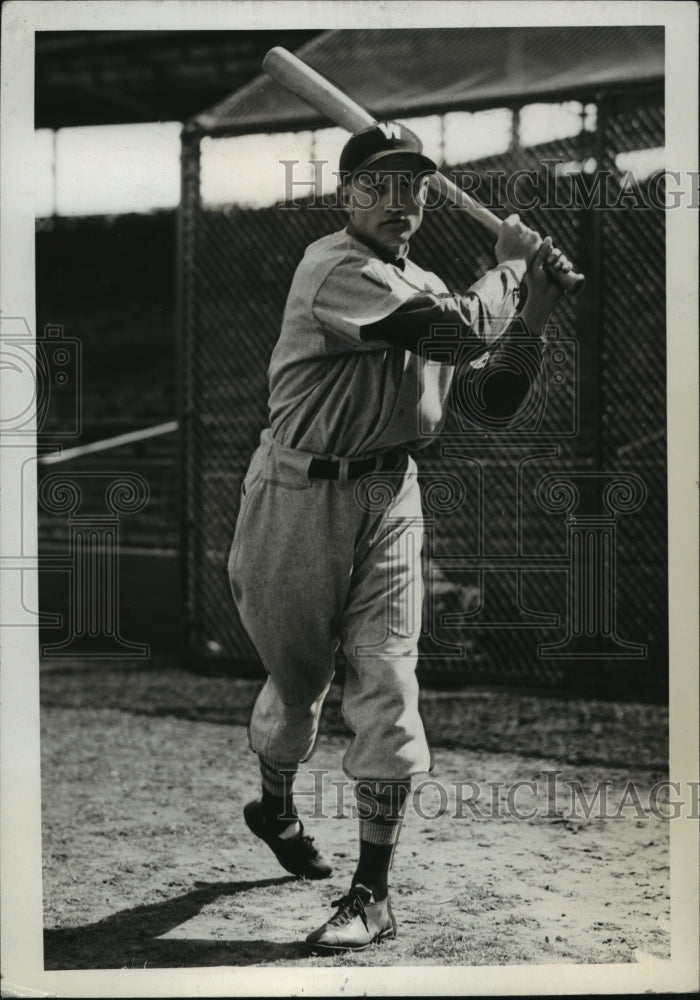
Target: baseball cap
(378,142)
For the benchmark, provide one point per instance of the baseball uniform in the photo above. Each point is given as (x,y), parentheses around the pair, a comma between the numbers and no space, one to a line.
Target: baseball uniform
(312,567)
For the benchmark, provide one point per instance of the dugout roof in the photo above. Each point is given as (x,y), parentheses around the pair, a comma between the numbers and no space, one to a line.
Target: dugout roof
(401,73)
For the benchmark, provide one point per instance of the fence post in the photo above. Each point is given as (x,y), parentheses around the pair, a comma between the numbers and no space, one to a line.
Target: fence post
(188,388)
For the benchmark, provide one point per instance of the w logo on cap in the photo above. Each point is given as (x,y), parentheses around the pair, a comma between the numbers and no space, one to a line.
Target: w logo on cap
(383,139)
(390,130)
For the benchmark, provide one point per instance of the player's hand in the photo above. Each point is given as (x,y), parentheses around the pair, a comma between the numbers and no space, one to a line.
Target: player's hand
(543,290)
(547,264)
(557,263)
(516,241)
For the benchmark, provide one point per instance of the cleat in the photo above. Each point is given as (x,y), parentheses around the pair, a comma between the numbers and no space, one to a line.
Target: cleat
(297,855)
(359,921)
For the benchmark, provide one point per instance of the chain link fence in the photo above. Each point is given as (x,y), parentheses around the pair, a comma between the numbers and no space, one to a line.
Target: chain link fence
(106,372)
(562,514)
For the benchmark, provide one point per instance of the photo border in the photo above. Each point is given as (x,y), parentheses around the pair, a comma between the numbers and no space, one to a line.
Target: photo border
(22,916)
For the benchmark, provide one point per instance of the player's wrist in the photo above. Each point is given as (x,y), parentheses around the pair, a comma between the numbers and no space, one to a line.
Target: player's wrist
(535,315)
(517,265)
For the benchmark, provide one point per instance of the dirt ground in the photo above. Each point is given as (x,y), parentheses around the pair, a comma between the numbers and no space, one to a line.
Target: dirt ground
(147,863)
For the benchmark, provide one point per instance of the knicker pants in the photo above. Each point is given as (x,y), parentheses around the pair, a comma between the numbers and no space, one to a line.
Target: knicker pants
(316,564)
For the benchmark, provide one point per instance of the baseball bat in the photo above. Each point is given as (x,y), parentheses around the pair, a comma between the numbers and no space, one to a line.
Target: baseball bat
(320,93)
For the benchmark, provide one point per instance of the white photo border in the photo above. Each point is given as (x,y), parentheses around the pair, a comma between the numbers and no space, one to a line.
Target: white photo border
(22,950)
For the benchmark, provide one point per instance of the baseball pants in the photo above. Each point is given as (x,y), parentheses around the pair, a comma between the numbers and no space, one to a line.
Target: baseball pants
(314,567)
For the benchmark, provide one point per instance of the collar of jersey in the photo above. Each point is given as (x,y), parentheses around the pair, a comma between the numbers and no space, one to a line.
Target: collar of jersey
(384,255)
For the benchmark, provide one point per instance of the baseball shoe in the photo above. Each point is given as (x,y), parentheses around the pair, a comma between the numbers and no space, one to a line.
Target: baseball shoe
(358,922)
(297,855)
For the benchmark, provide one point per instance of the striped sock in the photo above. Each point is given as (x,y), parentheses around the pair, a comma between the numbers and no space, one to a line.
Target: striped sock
(277,792)
(381,806)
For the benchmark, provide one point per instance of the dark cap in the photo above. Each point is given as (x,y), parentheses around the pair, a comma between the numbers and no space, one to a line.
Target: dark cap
(385,139)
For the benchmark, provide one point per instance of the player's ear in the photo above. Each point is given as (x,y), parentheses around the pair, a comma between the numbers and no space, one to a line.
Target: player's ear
(346,197)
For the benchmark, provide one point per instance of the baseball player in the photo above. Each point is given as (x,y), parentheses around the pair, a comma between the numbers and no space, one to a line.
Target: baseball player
(313,568)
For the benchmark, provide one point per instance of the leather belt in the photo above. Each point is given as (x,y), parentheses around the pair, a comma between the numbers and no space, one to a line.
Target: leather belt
(329,468)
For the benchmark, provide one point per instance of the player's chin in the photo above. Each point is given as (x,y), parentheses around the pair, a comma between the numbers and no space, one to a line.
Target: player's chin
(394,234)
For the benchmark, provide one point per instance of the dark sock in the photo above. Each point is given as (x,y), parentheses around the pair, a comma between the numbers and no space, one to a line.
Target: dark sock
(381,806)
(373,868)
(277,793)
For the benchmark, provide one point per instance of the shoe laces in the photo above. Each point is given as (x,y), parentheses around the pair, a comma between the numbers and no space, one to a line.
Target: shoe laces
(309,847)
(349,906)
(300,840)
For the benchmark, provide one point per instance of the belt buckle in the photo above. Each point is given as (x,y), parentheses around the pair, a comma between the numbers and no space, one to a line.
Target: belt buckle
(343,471)
(387,460)
(359,467)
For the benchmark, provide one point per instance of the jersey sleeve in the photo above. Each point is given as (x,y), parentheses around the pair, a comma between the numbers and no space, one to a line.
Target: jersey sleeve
(356,294)
(367,305)
(494,300)
(482,315)
(493,338)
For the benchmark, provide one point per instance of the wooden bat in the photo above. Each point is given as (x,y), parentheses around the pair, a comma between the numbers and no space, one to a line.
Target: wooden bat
(320,93)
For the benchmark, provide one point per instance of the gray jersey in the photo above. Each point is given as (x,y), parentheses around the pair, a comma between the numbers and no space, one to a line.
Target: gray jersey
(334,393)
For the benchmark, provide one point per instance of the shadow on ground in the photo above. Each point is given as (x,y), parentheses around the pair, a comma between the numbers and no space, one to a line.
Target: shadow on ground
(132,939)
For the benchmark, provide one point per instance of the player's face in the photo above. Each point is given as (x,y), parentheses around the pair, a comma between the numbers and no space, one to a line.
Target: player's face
(386,206)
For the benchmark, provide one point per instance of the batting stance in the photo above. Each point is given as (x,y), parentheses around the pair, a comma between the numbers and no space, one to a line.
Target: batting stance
(312,568)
